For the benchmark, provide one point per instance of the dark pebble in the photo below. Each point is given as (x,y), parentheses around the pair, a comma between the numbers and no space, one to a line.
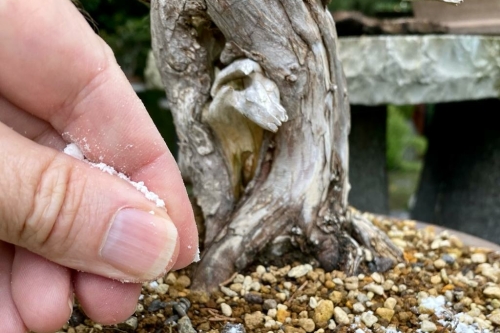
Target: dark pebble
(172,320)
(383,264)
(77,318)
(269,304)
(156,305)
(130,325)
(253,298)
(185,326)
(448,259)
(182,307)
(459,307)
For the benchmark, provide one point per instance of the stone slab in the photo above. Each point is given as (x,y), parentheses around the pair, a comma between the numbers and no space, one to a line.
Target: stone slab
(421,69)
(412,69)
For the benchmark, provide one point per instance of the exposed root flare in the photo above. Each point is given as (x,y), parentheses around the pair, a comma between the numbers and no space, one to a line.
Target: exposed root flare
(385,253)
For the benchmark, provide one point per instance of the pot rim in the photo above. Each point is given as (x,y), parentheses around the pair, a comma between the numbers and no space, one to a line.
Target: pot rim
(469,240)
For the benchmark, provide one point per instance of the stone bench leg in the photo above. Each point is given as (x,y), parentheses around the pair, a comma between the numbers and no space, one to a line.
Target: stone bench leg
(367,161)
(460,183)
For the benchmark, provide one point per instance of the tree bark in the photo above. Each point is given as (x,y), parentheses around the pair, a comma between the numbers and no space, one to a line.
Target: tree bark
(261,109)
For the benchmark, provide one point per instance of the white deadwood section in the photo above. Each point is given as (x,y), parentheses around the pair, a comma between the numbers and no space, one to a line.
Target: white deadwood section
(261,109)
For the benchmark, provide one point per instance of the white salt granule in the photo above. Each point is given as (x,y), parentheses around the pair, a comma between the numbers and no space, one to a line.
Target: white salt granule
(73,150)
(105,168)
(434,303)
(391,329)
(197,256)
(461,322)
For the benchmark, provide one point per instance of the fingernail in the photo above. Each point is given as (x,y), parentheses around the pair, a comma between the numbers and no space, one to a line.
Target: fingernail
(139,244)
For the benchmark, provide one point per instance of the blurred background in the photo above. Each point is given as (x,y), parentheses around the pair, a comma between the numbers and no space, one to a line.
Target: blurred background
(388,143)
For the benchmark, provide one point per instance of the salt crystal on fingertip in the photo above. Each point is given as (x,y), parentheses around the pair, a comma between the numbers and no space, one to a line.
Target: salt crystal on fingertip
(73,151)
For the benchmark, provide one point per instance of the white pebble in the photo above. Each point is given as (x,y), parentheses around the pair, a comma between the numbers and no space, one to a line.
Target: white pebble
(340,316)
(358,307)
(260,269)
(369,318)
(247,281)
(478,258)
(299,271)
(377,277)
(375,288)
(440,263)
(388,284)
(492,291)
(428,326)
(162,289)
(255,285)
(228,292)
(269,323)
(313,302)
(338,281)
(239,278)
(368,255)
(390,303)
(226,310)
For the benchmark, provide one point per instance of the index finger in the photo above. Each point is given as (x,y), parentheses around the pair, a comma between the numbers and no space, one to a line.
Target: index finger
(53,66)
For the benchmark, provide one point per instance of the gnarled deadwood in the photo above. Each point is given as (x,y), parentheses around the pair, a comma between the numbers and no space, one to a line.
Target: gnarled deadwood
(297,194)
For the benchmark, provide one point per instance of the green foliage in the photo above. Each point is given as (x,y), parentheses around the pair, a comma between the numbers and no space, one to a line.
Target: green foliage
(404,147)
(124,25)
(371,7)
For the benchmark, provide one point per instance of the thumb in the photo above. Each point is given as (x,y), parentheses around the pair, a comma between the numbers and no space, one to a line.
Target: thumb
(78,216)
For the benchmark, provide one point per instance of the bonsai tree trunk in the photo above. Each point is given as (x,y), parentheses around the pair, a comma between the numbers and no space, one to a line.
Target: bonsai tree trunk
(261,110)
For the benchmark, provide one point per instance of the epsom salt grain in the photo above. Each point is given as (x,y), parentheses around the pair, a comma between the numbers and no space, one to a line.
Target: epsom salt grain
(73,150)
(197,256)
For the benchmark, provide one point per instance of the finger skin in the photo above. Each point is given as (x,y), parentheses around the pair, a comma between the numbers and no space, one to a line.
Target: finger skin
(106,301)
(30,126)
(61,208)
(94,107)
(10,318)
(41,291)
(92,291)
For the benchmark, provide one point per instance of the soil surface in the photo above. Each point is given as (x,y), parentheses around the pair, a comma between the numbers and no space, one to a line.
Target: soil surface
(443,286)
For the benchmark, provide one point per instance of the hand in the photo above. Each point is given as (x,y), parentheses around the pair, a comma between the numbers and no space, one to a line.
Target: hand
(59,217)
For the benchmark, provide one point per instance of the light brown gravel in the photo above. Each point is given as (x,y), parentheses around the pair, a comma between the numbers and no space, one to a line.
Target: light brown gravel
(442,286)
